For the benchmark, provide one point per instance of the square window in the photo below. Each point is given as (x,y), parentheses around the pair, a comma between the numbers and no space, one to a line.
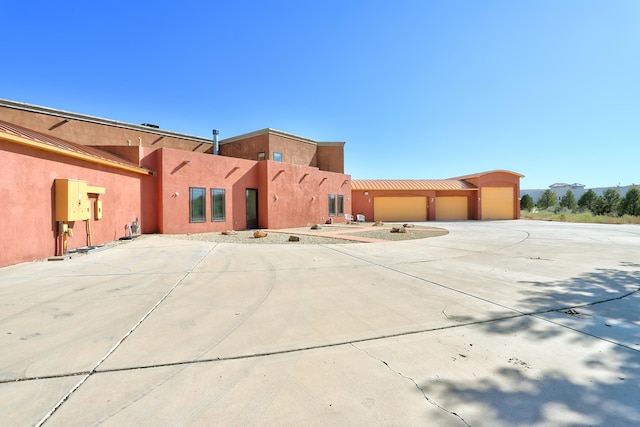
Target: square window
(277,157)
(262,155)
(197,204)
(218,204)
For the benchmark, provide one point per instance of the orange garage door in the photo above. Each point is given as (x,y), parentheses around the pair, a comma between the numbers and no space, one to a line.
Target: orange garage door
(451,208)
(400,208)
(497,203)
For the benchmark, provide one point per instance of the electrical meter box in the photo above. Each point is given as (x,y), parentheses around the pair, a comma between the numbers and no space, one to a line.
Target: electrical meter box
(97,209)
(72,200)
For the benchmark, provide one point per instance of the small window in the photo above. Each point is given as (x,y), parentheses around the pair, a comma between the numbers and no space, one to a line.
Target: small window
(277,157)
(218,206)
(197,204)
(332,205)
(262,155)
(340,205)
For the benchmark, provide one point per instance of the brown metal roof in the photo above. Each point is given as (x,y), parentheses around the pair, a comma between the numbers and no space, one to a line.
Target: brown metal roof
(476,175)
(410,184)
(76,150)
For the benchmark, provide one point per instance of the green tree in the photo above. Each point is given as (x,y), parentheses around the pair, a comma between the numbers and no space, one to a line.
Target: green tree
(588,201)
(526,202)
(630,203)
(547,199)
(608,203)
(568,200)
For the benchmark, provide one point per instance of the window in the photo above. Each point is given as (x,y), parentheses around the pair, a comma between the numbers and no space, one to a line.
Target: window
(197,204)
(218,207)
(262,155)
(340,205)
(277,157)
(332,205)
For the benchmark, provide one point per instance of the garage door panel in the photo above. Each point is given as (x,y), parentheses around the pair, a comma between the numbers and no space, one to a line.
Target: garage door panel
(400,208)
(498,203)
(452,208)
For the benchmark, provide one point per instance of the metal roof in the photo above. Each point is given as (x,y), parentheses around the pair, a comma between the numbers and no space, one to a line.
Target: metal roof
(61,146)
(477,175)
(410,184)
(98,120)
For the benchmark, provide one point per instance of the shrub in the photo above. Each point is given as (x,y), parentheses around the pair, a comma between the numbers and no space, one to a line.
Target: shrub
(526,202)
(547,199)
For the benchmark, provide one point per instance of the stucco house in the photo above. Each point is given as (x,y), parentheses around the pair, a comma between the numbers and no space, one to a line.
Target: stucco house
(70,181)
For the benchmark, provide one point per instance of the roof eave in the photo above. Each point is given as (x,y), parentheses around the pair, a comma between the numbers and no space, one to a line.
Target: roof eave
(61,151)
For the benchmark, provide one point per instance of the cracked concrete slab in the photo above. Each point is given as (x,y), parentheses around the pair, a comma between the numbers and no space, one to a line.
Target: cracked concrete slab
(454,330)
(522,371)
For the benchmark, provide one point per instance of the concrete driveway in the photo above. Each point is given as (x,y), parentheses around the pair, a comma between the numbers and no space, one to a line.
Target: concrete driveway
(499,323)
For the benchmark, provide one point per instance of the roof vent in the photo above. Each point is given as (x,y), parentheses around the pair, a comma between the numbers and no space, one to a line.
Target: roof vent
(150,125)
(216,147)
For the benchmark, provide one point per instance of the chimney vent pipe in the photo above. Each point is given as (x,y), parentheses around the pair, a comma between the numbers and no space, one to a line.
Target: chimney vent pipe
(216,148)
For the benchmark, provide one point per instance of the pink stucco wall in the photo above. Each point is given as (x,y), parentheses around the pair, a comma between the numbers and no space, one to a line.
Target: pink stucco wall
(298,196)
(179,170)
(28,208)
(288,195)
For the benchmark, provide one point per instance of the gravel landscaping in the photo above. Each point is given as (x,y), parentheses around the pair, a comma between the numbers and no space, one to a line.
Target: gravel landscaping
(324,235)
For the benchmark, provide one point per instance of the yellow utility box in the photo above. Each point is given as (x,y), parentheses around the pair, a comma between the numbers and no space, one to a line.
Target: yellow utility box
(72,201)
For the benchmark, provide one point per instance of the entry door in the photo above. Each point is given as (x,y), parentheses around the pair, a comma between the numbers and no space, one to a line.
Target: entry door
(252,208)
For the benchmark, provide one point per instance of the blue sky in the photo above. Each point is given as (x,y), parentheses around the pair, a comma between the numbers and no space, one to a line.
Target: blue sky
(417,89)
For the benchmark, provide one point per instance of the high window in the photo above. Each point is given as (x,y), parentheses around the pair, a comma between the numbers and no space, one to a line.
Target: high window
(218,206)
(262,155)
(197,204)
(340,205)
(332,205)
(277,157)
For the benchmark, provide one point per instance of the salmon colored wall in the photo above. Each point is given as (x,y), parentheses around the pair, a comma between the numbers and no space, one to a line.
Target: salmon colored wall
(132,154)
(331,158)
(150,190)
(293,151)
(96,134)
(302,195)
(179,170)
(28,209)
(246,148)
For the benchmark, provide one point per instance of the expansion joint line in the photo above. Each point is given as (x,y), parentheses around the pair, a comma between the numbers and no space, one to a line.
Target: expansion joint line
(515,310)
(424,394)
(125,336)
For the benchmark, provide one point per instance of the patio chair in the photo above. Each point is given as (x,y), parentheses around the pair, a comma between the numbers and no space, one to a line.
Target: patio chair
(360,218)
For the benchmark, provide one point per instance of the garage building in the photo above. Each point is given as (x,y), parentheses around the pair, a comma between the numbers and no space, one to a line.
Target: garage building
(492,195)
